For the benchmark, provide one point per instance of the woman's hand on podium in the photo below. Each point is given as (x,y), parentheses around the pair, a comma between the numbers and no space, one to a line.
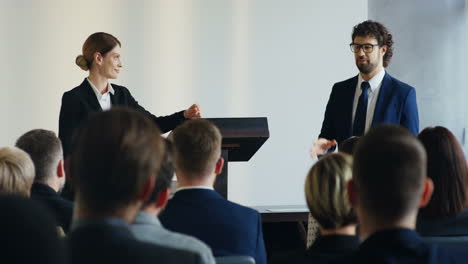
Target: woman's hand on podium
(193,112)
(321,146)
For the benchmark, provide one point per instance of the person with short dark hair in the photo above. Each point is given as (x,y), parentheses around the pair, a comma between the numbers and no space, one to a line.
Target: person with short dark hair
(28,233)
(372,97)
(114,174)
(446,214)
(147,226)
(348,145)
(197,209)
(388,186)
(45,150)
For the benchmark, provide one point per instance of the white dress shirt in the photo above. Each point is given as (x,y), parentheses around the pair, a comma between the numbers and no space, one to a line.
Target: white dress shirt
(103,99)
(375,84)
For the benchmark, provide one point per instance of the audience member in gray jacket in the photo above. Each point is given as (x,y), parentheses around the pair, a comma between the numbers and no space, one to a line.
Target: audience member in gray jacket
(147,226)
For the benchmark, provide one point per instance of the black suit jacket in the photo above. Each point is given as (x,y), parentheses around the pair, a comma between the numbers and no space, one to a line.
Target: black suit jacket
(81,101)
(456,225)
(62,208)
(102,242)
(404,246)
(324,250)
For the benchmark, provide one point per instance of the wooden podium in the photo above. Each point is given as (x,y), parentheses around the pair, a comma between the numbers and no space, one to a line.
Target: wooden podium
(242,138)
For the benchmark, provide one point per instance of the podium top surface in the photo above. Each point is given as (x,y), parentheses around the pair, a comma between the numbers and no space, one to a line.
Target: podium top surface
(242,137)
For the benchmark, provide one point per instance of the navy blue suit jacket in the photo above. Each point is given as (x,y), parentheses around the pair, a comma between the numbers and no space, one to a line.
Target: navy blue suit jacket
(404,246)
(228,228)
(396,104)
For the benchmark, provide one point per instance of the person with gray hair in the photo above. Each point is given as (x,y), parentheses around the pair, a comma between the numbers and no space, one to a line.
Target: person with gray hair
(16,172)
(45,150)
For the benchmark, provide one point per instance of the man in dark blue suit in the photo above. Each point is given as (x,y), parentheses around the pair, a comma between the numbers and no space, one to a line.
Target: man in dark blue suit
(388,186)
(196,209)
(370,98)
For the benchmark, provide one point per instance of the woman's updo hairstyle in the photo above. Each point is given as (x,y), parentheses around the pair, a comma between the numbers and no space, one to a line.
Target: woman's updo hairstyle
(98,42)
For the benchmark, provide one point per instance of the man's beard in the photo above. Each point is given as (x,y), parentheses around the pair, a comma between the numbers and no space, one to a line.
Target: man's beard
(366,68)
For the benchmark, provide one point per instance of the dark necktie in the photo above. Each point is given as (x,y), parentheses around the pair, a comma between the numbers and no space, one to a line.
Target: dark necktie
(361,111)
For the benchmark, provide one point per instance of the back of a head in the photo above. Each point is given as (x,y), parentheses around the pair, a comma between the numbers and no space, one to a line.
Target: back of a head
(325,190)
(16,171)
(389,172)
(348,145)
(29,233)
(45,150)
(198,146)
(447,167)
(115,153)
(165,175)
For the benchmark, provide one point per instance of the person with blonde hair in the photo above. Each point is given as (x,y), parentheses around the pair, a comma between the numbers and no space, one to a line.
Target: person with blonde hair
(16,172)
(326,196)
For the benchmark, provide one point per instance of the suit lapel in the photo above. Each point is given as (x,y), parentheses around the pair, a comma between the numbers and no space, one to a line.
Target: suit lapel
(348,105)
(383,100)
(89,96)
(116,98)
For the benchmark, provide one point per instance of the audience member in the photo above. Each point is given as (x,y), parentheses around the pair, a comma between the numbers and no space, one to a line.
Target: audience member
(28,233)
(196,209)
(115,159)
(45,150)
(147,226)
(16,172)
(389,184)
(348,145)
(446,214)
(325,190)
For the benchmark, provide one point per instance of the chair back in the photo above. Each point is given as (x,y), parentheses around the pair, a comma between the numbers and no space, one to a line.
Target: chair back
(235,260)
(455,241)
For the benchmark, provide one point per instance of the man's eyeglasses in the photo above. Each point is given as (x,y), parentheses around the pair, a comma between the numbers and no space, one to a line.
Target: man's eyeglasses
(367,48)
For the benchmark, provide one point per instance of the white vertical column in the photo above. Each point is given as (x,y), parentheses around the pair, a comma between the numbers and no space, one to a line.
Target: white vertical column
(239,91)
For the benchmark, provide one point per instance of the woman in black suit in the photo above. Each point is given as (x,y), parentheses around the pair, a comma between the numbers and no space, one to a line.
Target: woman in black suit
(101,57)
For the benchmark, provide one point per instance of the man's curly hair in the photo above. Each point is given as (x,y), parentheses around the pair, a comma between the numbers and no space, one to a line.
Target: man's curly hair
(380,33)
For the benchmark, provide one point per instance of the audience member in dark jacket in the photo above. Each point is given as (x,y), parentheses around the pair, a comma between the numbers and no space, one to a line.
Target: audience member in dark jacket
(389,185)
(198,210)
(45,150)
(325,190)
(446,214)
(28,233)
(114,173)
